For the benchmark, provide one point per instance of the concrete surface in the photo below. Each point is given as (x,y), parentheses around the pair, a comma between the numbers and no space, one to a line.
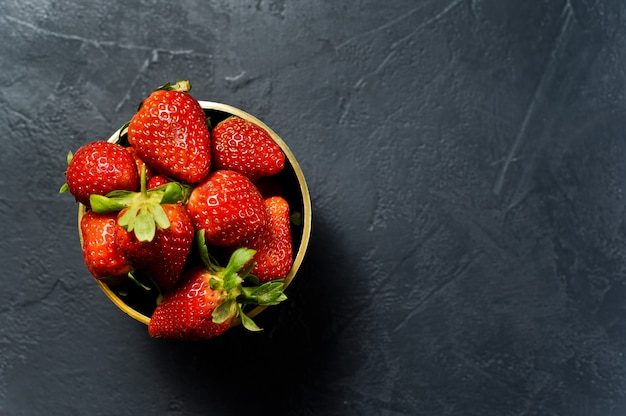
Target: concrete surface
(467,164)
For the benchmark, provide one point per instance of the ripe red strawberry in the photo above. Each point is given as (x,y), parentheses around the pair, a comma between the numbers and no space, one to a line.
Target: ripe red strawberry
(157,180)
(170,133)
(274,252)
(140,163)
(162,259)
(187,312)
(102,255)
(210,298)
(98,168)
(155,233)
(228,207)
(238,144)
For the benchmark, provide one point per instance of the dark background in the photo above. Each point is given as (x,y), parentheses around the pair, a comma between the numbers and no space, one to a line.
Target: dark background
(467,164)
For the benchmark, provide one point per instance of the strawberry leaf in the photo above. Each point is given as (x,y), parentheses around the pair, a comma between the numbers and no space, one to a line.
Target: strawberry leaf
(231,281)
(159,216)
(127,221)
(102,204)
(246,275)
(238,259)
(200,243)
(270,293)
(251,280)
(247,322)
(181,85)
(172,192)
(113,201)
(64,188)
(121,196)
(145,226)
(215,284)
(207,260)
(223,311)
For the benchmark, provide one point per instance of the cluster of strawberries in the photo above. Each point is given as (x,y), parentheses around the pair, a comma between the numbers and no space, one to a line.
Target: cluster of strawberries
(175,183)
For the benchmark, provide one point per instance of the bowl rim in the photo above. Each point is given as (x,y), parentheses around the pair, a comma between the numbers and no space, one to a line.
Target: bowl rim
(306,210)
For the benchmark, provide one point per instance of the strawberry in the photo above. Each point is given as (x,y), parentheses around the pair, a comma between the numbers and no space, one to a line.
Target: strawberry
(140,163)
(210,299)
(241,145)
(228,207)
(162,259)
(186,313)
(157,180)
(170,133)
(155,232)
(102,255)
(98,168)
(274,252)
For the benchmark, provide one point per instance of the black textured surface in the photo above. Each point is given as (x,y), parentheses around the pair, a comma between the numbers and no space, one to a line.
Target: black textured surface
(466,161)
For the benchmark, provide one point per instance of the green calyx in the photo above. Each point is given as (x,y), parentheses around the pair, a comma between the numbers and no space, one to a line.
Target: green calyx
(240,286)
(144,213)
(65,187)
(181,85)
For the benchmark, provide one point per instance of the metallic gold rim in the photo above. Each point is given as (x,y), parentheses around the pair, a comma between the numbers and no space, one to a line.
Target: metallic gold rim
(306,208)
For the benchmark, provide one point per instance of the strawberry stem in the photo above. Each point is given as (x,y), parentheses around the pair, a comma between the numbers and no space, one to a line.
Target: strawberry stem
(142,177)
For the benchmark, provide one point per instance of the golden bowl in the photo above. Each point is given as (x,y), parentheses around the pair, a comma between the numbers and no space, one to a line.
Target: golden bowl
(296,192)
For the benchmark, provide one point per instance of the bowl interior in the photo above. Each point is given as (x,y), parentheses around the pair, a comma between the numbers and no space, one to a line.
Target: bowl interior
(139,304)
